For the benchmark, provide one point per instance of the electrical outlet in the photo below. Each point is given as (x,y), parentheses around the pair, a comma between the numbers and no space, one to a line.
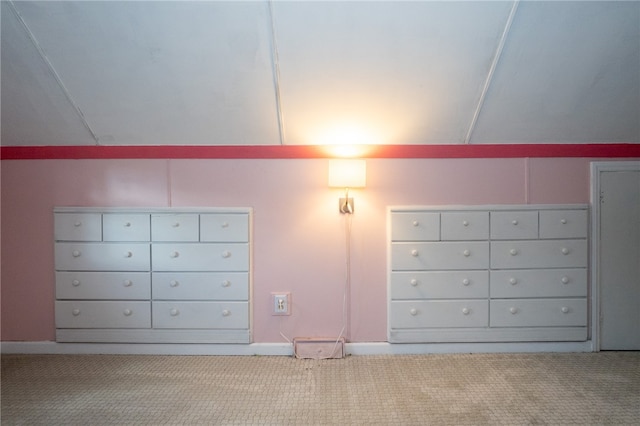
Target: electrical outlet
(281,303)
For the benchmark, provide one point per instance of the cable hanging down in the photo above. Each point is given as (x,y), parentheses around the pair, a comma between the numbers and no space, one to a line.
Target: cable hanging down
(344,331)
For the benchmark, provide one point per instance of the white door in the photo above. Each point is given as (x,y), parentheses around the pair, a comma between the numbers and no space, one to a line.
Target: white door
(619,259)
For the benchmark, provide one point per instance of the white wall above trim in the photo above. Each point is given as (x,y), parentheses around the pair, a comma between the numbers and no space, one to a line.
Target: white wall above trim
(272,72)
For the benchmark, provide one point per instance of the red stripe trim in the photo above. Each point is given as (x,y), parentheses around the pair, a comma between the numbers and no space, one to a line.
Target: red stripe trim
(313,151)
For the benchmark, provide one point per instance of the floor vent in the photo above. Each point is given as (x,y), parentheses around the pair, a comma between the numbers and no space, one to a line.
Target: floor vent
(318,347)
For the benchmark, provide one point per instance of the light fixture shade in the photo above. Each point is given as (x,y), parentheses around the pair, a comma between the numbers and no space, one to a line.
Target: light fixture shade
(347,173)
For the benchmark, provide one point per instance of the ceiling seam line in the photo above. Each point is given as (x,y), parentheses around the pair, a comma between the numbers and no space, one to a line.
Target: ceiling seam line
(491,72)
(52,70)
(275,62)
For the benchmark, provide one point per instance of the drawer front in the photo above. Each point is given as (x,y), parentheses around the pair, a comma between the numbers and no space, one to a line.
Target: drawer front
(83,314)
(200,257)
(440,255)
(200,285)
(126,227)
(539,254)
(224,227)
(539,313)
(440,285)
(102,257)
(77,226)
(229,315)
(415,226)
(439,313)
(103,285)
(465,226)
(539,283)
(563,224)
(175,227)
(515,225)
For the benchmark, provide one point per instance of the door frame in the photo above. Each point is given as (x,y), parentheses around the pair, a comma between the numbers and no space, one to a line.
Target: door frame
(598,167)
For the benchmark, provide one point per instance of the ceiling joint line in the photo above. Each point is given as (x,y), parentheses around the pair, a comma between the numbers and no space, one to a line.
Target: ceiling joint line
(275,61)
(52,70)
(492,69)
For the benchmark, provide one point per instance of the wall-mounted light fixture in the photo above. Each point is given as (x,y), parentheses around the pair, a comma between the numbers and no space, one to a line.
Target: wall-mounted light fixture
(347,174)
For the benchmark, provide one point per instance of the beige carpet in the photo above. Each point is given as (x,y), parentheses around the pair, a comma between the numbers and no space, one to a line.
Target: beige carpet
(509,389)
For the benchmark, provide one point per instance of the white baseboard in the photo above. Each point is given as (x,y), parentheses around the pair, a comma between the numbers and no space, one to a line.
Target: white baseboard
(285,349)
(384,348)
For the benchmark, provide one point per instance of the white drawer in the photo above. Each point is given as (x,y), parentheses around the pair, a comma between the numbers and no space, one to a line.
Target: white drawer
(221,315)
(175,227)
(200,257)
(102,256)
(121,314)
(563,224)
(103,285)
(514,225)
(538,313)
(415,226)
(465,226)
(224,227)
(539,283)
(126,227)
(539,254)
(77,226)
(439,255)
(440,285)
(200,285)
(439,313)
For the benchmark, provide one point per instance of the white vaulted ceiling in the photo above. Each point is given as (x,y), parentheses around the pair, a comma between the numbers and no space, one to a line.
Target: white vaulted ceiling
(302,72)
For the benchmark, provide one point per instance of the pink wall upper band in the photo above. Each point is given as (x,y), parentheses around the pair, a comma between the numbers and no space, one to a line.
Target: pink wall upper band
(314,151)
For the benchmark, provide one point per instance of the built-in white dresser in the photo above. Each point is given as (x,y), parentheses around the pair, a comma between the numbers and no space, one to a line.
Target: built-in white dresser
(514,273)
(153,276)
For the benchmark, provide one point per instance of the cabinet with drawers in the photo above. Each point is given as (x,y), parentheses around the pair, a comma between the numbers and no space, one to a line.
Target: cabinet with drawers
(153,276)
(488,273)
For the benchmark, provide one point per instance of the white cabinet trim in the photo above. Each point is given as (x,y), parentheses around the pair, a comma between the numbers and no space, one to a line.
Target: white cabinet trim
(115,249)
(572,255)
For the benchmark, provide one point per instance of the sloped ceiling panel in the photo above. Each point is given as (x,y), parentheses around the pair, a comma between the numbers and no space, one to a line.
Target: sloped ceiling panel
(163,72)
(569,72)
(384,72)
(35,109)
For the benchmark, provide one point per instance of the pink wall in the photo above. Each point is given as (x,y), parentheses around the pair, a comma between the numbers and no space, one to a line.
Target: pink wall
(299,243)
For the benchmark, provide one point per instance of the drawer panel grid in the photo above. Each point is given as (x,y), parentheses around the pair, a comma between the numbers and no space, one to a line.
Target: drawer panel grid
(201,286)
(439,285)
(439,256)
(126,227)
(102,257)
(538,312)
(511,273)
(153,275)
(103,314)
(539,254)
(439,313)
(196,315)
(103,285)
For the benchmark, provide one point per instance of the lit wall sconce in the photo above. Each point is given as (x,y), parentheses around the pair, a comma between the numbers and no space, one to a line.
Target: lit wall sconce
(347,174)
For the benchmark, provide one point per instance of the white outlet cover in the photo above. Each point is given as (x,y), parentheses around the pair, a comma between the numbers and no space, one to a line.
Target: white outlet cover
(284,309)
